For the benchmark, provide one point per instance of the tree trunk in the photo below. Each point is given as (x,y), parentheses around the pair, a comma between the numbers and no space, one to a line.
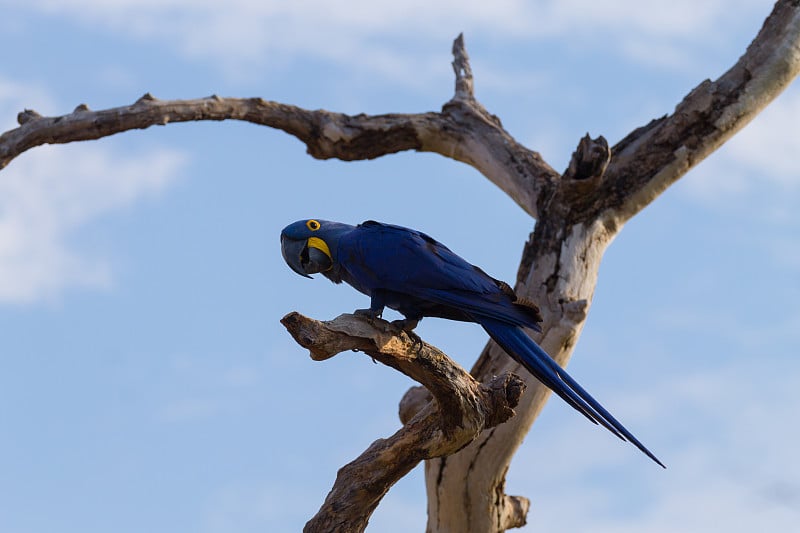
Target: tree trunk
(466,490)
(578,215)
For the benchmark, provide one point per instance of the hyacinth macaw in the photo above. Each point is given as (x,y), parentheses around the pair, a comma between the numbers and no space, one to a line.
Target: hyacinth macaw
(412,273)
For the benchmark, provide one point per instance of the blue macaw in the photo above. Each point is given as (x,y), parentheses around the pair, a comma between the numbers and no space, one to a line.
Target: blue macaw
(414,274)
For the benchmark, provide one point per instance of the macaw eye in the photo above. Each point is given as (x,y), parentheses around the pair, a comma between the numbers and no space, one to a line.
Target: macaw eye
(313,225)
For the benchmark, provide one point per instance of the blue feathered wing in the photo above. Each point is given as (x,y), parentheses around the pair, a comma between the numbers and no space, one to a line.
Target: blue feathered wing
(419,276)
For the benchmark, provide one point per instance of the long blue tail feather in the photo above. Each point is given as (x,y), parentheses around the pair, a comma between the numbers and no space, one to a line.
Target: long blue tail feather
(530,355)
(514,341)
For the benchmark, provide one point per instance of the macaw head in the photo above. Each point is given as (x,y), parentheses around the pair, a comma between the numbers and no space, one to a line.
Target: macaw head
(309,246)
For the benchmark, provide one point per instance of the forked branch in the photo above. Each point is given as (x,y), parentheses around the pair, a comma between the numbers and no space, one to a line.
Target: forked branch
(654,156)
(462,409)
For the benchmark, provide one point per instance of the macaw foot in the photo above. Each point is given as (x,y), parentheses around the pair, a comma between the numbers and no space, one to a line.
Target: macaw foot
(395,327)
(407,326)
(369,314)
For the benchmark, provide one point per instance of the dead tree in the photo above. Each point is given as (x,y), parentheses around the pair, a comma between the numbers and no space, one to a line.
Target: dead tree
(466,433)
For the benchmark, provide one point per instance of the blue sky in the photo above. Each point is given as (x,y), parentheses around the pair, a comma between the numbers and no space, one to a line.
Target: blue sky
(145,381)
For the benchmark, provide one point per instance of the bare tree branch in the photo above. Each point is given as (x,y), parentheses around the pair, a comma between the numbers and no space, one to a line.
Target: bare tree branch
(463,71)
(654,156)
(462,410)
(577,218)
(463,131)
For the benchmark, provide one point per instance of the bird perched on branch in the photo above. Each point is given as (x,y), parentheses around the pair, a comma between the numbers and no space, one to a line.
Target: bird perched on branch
(410,272)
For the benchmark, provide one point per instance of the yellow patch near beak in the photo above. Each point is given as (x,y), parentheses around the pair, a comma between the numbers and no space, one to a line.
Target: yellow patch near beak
(319,244)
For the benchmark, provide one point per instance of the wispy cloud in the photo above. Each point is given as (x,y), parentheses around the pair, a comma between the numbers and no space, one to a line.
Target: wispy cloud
(762,157)
(51,192)
(383,36)
(731,464)
(755,175)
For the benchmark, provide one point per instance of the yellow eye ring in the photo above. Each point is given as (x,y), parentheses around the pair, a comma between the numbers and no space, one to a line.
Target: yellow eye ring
(312,224)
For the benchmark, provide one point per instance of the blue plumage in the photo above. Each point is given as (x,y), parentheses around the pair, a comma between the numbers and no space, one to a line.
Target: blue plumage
(418,276)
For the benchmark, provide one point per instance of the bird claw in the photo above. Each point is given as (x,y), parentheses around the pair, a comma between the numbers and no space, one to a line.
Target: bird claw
(395,327)
(369,314)
(416,341)
(407,326)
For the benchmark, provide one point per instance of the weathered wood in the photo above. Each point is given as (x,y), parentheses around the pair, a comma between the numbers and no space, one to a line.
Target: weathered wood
(653,157)
(465,89)
(462,409)
(463,131)
(577,220)
(589,160)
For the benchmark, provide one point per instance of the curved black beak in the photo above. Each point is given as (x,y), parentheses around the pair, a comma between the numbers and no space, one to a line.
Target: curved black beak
(293,252)
(302,258)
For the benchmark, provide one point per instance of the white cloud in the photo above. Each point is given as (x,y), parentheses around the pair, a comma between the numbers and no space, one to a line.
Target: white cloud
(384,35)
(727,438)
(49,193)
(769,145)
(763,155)
(755,175)
(756,170)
